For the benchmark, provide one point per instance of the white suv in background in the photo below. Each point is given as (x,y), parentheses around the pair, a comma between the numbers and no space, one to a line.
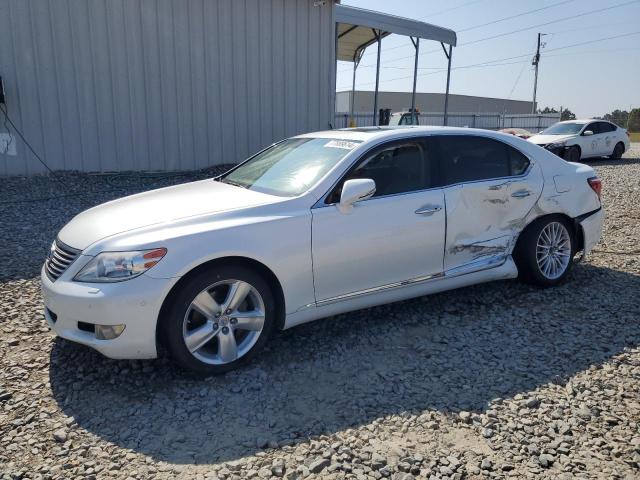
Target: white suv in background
(576,139)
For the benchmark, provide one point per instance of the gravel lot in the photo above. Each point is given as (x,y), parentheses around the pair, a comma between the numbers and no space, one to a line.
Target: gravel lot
(495,381)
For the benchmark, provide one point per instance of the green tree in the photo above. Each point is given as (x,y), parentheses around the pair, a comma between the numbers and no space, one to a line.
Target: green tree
(566,113)
(633,124)
(619,117)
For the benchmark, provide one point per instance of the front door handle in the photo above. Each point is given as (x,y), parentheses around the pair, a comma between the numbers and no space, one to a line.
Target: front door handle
(521,194)
(428,210)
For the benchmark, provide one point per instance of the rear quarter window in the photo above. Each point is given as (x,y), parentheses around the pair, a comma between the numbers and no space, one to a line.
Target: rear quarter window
(518,162)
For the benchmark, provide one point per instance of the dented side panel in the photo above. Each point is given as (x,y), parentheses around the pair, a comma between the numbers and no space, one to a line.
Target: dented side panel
(485,218)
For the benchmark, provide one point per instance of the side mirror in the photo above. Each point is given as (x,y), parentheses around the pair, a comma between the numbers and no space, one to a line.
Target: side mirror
(587,133)
(354,191)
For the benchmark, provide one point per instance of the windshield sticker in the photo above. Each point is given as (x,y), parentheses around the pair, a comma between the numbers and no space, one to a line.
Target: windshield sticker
(347,145)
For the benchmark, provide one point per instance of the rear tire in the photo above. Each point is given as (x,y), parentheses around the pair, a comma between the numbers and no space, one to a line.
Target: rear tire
(219,320)
(573,154)
(545,250)
(618,150)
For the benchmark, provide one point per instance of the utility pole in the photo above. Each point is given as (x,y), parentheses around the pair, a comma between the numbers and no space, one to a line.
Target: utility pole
(535,63)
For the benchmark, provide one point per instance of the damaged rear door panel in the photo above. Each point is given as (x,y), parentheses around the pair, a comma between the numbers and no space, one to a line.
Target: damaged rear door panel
(489,190)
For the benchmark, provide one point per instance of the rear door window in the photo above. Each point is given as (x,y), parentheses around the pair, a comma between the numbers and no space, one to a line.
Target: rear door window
(468,158)
(606,127)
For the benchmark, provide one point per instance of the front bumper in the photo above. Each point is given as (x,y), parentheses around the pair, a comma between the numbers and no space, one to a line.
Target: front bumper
(134,303)
(592,229)
(556,150)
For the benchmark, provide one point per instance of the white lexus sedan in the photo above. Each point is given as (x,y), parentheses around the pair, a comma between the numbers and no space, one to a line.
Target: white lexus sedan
(577,139)
(313,226)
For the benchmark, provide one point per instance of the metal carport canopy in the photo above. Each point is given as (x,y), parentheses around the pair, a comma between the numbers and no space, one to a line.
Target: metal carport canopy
(358,28)
(356,31)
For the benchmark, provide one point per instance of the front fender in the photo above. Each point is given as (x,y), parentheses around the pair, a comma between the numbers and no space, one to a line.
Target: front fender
(282,244)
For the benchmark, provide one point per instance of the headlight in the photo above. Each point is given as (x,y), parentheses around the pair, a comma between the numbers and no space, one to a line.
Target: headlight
(119,266)
(556,145)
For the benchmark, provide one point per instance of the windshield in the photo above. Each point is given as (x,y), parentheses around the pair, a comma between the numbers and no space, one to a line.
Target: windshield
(402,119)
(290,167)
(563,129)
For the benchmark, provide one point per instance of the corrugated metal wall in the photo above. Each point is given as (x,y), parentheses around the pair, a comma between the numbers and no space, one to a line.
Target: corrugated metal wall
(114,85)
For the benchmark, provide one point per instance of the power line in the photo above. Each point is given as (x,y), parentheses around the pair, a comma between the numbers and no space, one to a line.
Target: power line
(473,27)
(522,29)
(593,41)
(586,52)
(524,65)
(549,23)
(593,52)
(493,62)
(447,10)
(592,27)
(443,70)
(514,16)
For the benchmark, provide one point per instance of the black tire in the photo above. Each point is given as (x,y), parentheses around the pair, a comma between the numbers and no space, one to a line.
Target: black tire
(573,154)
(526,252)
(171,324)
(618,150)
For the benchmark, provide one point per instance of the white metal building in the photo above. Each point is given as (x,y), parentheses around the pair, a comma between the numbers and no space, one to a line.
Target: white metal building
(429,102)
(117,85)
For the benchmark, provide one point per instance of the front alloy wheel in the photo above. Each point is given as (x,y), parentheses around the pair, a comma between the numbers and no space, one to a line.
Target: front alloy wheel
(223,322)
(218,319)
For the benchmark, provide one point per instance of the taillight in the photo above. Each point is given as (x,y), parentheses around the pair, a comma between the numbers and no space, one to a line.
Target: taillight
(628,134)
(596,185)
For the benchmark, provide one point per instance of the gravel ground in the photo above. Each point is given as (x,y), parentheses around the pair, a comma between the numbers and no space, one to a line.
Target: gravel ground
(494,381)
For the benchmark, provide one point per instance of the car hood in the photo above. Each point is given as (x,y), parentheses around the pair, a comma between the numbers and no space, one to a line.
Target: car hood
(545,139)
(158,207)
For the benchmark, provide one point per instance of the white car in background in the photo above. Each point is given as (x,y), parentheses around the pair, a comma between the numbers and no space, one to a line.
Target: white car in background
(577,139)
(313,226)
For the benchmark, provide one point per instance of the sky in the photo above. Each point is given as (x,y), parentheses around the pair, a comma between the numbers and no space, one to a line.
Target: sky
(590,79)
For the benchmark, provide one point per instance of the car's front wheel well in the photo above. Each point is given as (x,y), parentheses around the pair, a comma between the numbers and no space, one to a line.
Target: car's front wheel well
(567,153)
(259,268)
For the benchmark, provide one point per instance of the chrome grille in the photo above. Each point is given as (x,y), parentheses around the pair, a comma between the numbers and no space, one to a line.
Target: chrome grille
(60,257)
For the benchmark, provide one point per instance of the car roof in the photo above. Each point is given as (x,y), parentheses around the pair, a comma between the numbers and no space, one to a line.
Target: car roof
(582,121)
(370,133)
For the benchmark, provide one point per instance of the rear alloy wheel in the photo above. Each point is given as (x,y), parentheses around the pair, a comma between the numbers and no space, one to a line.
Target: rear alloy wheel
(618,150)
(573,154)
(545,250)
(220,320)
(553,250)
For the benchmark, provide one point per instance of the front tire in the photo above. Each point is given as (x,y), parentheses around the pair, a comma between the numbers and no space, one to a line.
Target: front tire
(544,253)
(219,320)
(618,150)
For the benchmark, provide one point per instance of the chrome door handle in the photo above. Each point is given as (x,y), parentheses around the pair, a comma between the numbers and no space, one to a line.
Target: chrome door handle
(521,194)
(428,210)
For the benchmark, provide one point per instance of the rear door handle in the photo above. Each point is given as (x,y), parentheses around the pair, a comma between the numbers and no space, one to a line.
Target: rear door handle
(521,194)
(428,210)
